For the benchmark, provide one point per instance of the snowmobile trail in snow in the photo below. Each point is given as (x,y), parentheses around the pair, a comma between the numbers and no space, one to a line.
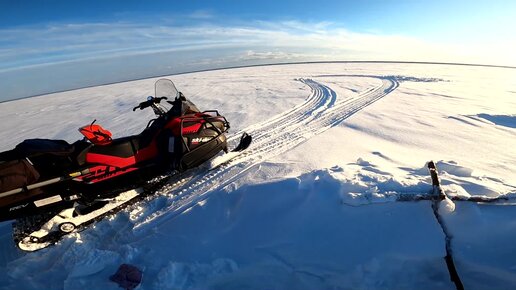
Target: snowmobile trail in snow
(322,110)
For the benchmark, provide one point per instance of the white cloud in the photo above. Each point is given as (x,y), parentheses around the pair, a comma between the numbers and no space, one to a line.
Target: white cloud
(201,14)
(252,55)
(23,47)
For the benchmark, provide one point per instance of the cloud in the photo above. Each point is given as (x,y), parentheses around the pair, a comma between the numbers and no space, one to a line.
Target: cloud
(278,56)
(91,53)
(269,55)
(202,14)
(30,46)
(27,46)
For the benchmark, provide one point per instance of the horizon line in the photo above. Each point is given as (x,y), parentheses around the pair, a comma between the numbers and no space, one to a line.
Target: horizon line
(259,65)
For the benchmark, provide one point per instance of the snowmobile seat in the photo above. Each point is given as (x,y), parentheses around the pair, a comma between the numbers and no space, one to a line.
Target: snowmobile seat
(121,153)
(120,147)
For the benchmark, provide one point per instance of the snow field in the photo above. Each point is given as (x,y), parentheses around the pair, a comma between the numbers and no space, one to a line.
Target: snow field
(320,212)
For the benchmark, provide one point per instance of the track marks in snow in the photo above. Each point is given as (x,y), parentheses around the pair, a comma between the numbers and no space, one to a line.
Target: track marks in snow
(322,110)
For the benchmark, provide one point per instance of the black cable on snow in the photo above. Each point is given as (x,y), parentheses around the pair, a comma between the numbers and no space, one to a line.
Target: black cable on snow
(438,196)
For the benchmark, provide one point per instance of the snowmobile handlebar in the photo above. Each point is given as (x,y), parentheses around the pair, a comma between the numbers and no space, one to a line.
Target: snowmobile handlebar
(151,101)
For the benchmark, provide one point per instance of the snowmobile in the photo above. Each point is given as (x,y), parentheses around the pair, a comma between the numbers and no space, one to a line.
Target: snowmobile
(71,184)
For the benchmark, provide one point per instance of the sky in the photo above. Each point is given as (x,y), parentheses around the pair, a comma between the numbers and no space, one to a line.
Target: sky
(50,45)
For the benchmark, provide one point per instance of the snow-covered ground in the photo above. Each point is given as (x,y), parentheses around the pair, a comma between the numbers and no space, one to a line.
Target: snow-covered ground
(313,202)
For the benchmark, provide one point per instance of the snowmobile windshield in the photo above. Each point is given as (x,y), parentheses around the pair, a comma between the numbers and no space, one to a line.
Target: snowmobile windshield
(165,88)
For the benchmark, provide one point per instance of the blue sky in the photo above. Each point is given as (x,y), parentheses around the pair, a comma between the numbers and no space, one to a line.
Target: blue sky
(57,45)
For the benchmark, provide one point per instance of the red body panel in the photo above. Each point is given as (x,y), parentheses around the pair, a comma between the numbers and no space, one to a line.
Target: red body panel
(114,161)
(103,172)
(147,153)
(175,124)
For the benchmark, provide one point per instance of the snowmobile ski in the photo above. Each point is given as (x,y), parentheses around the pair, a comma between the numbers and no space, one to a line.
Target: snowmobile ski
(69,220)
(221,160)
(245,141)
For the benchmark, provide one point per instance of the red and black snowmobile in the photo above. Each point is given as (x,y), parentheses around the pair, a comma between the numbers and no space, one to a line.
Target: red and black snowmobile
(78,182)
